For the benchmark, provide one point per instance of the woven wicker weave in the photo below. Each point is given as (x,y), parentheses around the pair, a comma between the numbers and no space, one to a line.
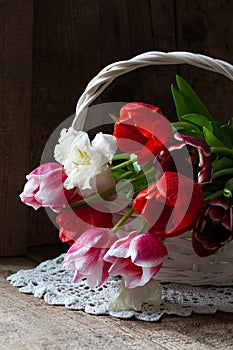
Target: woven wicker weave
(183,265)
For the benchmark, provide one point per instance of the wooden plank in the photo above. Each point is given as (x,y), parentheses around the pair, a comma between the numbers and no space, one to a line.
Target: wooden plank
(15,97)
(135,27)
(65,57)
(206,27)
(12,265)
(28,323)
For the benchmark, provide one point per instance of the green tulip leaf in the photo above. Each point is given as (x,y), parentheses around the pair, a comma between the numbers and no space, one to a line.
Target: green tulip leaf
(222,163)
(211,139)
(230,123)
(194,133)
(186,100)
(224,133)
(179,102)
(198,120)
(185,125)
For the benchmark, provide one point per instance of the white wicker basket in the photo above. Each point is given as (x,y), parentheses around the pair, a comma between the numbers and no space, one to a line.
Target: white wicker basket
(183,265)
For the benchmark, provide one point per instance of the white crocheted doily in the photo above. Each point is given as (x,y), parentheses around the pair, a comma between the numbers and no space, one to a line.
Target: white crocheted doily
(55,285)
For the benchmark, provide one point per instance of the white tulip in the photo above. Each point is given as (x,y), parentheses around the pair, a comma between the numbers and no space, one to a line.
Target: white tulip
(84,160)
(134,298)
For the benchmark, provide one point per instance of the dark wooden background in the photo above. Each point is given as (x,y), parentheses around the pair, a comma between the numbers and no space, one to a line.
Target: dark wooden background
(49,51)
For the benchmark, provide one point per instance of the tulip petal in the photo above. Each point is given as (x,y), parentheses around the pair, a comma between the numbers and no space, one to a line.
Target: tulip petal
(45,187)
(213,229)
(147,250)
(171,205)
(137,258)
(86,256)
(120,248)
(73,223)
(143,130)
(84,160)
(134,298)
(105,144)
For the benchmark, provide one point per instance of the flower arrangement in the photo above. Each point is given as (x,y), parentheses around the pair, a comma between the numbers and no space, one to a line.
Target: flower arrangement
(119,198)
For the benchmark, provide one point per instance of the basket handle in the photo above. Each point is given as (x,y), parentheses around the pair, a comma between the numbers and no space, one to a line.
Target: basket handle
(106,76)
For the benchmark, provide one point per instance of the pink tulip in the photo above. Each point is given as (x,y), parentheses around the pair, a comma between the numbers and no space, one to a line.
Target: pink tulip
(86,256)
(44,187)
(137,258)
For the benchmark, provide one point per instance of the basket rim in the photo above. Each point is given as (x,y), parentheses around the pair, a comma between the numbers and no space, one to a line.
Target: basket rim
(109,73)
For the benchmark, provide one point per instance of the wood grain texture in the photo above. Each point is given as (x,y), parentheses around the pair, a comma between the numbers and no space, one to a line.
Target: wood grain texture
(135,27)
(50,50)
(65,56)
(15,101)
(206,27)
(28,323)
(72,41)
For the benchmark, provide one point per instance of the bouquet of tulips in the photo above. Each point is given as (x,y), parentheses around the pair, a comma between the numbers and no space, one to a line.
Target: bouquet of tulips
(120,197)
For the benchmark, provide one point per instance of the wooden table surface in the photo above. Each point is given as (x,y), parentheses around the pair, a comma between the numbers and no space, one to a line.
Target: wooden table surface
(28,323)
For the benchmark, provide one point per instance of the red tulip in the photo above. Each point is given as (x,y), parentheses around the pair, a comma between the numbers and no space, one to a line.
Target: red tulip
(74,222)
(143,130)
(214,228)
(171,205)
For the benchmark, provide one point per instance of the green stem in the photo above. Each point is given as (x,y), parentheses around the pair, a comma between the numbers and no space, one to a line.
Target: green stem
(143,175)
(222,172)
(107,193)
(126,175)
(121,156)
(145,227)
(123,219)
(223,150)
(113,117)
(92,199)
(124,164)
(132,180)
(214,195)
